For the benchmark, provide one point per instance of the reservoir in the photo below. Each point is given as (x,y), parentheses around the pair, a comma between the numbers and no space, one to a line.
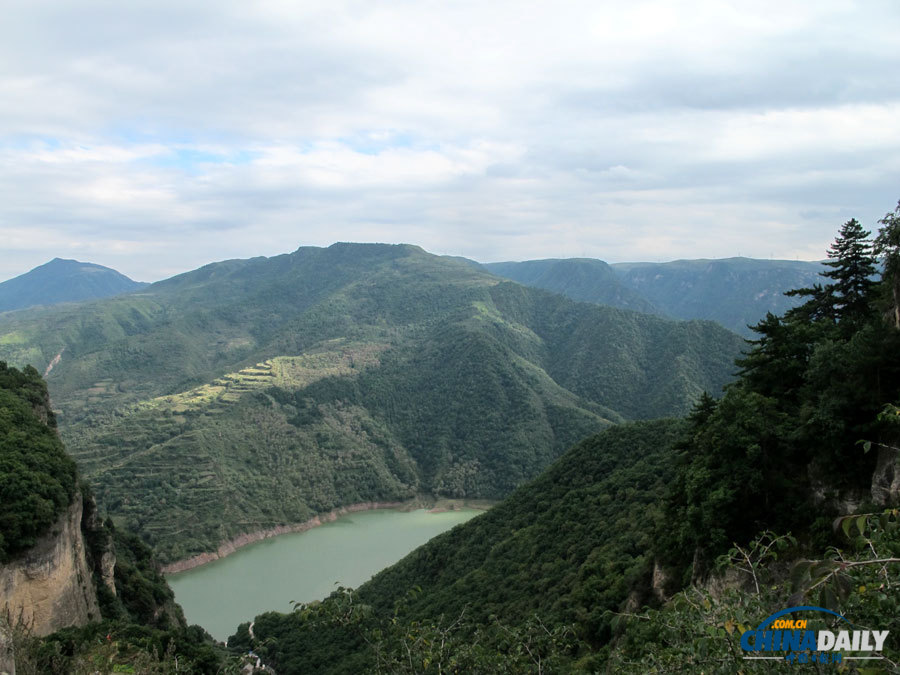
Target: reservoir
(305,566)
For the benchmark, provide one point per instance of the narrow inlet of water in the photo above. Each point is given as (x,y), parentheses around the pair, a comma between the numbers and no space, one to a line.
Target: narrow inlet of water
(303,567)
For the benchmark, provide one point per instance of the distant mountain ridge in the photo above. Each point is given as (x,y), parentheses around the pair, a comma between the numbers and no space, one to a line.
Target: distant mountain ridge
(62,280)
(582,279)
(735,292)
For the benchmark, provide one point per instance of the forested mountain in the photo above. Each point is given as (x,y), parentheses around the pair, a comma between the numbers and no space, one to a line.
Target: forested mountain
(736,292)
(63,281)
(781,494)
(252,393)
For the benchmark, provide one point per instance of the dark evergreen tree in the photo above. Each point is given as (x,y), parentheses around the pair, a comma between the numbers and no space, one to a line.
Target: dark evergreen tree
(847,300)
(852,266)
(777,361)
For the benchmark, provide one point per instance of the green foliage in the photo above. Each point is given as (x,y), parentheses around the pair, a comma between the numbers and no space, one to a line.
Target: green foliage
(734,452)
(852,267)
(142,591)
(339,635)
(887,248)
(121,647)
(700,628)
(37,478)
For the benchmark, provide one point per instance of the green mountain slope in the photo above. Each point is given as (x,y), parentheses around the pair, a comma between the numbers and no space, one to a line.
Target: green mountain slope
(113,569)
(38,479)
(569,545)
(253,393)
(63,281)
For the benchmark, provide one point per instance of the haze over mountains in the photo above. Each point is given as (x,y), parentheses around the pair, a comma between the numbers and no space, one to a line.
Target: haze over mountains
(63,281)
(736,292)
(251,393)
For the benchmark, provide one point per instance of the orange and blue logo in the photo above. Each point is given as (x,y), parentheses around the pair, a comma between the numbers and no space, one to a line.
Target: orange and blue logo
(791,639)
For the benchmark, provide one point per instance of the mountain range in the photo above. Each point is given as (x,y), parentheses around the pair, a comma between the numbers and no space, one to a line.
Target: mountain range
(736,292)
(250,394)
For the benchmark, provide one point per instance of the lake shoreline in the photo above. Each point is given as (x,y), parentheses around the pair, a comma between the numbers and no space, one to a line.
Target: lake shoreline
(233,545)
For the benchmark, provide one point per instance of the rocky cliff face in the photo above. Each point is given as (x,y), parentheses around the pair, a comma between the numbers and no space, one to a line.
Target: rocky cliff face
(51,586)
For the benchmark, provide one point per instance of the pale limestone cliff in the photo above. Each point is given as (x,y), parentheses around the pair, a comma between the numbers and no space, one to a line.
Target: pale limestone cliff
(50,586)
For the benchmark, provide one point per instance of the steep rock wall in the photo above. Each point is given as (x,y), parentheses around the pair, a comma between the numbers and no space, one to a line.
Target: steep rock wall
(51,586)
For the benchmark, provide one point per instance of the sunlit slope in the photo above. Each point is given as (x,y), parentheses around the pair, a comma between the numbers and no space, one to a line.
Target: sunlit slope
(252,393)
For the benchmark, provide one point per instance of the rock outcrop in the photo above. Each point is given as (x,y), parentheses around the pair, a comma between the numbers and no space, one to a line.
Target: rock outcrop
(51,586)
(7,654)
(886,478)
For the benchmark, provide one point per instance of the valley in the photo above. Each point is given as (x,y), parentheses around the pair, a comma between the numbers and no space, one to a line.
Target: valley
(255,394)
(449,338)
(250,420)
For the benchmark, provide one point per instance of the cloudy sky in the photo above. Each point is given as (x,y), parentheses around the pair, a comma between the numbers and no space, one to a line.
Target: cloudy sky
(158,136)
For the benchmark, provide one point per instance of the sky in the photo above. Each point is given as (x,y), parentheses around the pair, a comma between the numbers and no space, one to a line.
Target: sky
(155,137)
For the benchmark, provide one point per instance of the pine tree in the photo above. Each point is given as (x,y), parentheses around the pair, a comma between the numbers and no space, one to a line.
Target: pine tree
(852,266)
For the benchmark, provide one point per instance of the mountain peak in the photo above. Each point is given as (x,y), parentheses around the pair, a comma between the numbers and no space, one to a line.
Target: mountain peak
(63,280)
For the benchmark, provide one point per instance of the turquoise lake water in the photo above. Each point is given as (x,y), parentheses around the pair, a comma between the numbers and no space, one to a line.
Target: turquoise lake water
(304,566)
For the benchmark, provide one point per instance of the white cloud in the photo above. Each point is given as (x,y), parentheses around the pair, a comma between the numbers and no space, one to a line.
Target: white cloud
(157,136)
